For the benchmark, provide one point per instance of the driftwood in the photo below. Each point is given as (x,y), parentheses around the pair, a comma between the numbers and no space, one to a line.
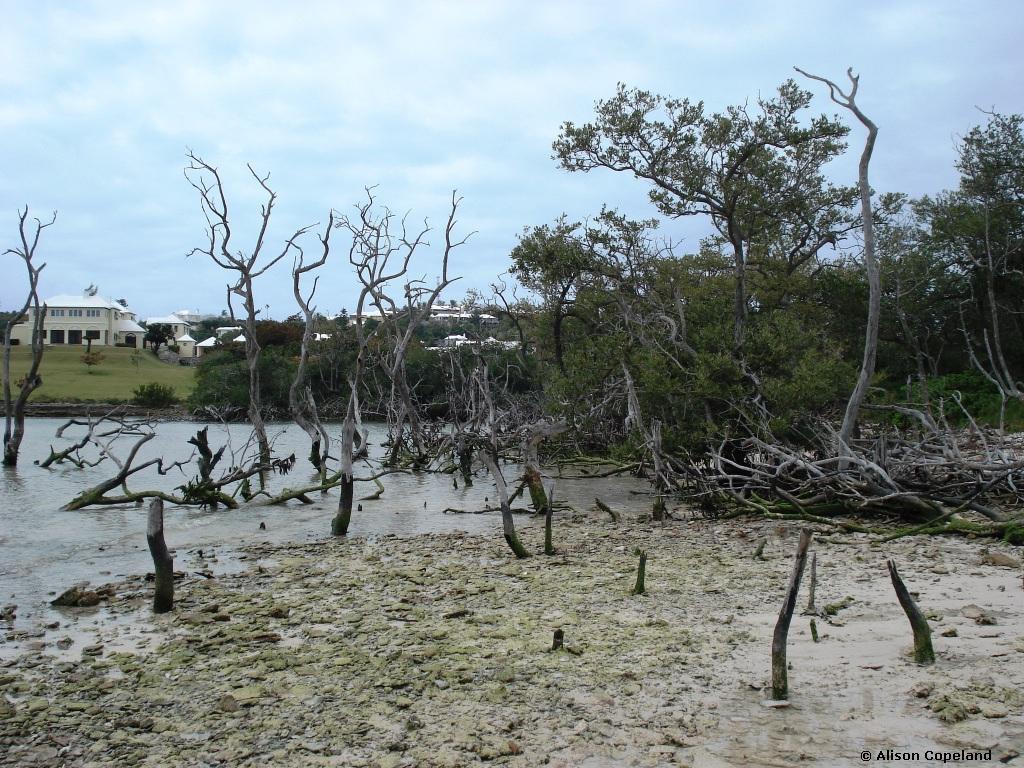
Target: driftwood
(205,489)
(938,478)
(780,676)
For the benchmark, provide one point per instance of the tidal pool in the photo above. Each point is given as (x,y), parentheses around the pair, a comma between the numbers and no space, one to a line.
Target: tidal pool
(44,549)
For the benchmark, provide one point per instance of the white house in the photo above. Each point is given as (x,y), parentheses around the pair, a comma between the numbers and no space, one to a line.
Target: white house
(177,325)
(186,345)
(207,345)
(439,312)
(78,319)
(190,316)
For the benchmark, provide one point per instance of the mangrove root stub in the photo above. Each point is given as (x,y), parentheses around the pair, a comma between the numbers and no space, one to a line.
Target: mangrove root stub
(809,611)
(923,653)
(549,547)
(512,539)
(814,630)
(605,508)
(660,511)
(759,552)
(780,677)
(163,563)
(641,573)
(557,641)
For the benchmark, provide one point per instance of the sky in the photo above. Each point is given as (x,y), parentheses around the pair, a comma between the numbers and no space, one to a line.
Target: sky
(99,102)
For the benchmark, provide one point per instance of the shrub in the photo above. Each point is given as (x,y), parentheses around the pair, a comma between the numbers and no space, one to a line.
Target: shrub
(154,395)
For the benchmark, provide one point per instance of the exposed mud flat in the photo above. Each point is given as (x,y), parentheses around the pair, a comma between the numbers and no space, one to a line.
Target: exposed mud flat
(435,651)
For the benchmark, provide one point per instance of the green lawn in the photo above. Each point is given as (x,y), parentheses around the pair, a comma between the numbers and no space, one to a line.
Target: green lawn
(66,378)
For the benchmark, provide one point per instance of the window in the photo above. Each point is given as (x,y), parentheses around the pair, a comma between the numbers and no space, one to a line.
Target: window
(56,337)
(74,313)
(94,335)
(92,313)
(57,313)
(75,336)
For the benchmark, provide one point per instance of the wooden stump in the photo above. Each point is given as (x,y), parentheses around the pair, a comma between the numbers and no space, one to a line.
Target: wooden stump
(780,677)
(810,610)
(549,547)
(339,525)
(558,640)
(641,574)
(923,653)
(163,563)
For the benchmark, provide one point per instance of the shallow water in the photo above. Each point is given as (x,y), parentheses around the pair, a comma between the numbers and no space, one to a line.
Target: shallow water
(43,549)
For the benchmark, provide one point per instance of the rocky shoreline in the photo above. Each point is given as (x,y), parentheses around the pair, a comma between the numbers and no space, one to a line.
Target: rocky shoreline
(436,651)
(90,408)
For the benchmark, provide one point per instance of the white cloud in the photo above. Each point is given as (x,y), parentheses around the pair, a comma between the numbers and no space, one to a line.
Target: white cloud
(98,101)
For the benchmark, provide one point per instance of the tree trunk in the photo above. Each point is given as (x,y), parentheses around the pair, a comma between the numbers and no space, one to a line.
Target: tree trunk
(739,309)
(507,523)
(465,455)
(339,527)
(780,676)
(867,368)
(531,460)
(252,352)
(535,485)
(163,563)
(14,408)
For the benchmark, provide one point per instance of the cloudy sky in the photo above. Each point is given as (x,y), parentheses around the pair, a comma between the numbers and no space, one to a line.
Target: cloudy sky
(99,101)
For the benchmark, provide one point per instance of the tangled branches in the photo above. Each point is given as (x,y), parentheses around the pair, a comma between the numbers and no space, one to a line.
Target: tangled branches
(940,478)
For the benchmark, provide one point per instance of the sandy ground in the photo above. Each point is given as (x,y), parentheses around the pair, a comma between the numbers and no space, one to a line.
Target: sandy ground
(435,651)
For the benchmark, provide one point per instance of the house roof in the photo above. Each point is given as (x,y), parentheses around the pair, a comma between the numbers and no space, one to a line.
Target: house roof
(83,302)
(207,343)
(166,320)
(128,326)
(185,338)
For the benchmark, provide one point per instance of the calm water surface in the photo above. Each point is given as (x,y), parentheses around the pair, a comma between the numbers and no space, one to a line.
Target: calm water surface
(44,550)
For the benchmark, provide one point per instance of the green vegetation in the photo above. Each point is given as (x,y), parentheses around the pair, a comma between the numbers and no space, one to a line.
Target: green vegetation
(92,359)
(115,380)
(154,395)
